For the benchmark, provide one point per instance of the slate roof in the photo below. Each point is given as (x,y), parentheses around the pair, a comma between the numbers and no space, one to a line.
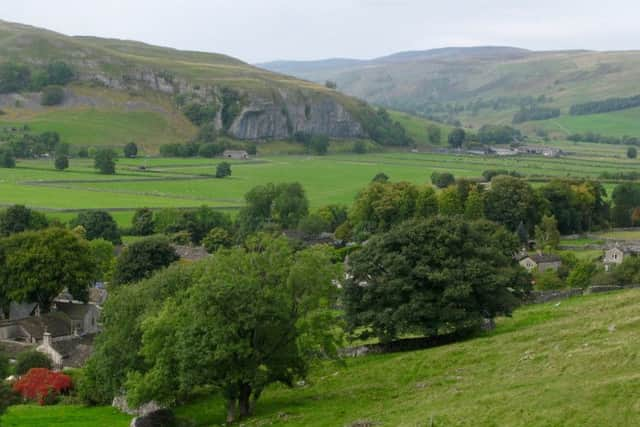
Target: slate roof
(13,348)
(21,310)
(75,351)
(56,323)
(74,311)
(544,258)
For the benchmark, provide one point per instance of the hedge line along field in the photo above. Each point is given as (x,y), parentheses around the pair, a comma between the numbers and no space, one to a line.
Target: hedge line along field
(534,369)
(182,183)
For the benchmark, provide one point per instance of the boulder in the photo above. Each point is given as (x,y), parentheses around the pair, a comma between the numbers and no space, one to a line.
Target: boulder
(159,418)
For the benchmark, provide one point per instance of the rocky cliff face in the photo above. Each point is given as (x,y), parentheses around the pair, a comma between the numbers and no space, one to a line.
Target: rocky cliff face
(278,116)
(272,119)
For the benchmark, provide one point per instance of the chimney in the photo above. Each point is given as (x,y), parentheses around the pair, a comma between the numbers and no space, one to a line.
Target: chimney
(46,339)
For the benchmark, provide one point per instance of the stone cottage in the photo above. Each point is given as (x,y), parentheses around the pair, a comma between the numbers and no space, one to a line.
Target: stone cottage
(541,262)
(615,255)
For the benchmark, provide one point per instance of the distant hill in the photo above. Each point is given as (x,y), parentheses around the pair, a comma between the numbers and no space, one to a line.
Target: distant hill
(116,77)
(479,85)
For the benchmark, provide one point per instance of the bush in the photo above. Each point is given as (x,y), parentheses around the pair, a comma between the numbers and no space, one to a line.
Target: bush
(62,163)
(52,95)
(31,359)
(632,152)
(548,280)
(223,170)
(359,147)
(210,150)
(98,225)
(7,159)
(130,150)
(216,239)
(105,162)
(42,385)
(442,179)
(142,258)
(313,225)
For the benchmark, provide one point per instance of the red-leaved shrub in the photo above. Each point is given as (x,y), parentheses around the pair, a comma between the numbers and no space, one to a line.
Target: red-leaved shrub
(42,385)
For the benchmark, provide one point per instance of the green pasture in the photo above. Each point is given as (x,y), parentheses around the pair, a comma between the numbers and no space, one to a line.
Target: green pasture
(95,127)
(535,369)
(178,182)
(617,123)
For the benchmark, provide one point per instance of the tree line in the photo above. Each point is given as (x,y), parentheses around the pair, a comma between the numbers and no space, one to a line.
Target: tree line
(605,106)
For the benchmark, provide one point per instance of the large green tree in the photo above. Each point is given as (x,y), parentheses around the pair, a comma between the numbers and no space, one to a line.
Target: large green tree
(282,205)
(18,218)
(36,266)
(105,161)
(625,197)
(140,259)
(433,277)
(512,201)
(98,225)
(257,315)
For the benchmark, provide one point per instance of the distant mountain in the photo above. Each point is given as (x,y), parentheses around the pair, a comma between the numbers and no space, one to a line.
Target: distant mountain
(477,85)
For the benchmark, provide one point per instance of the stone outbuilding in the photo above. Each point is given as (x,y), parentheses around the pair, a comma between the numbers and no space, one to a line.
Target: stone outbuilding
(615,255)
(235,154)
(541,262)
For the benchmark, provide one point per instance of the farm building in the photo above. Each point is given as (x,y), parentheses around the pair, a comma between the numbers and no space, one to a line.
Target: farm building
(235,154)
(541,262)
(615,255)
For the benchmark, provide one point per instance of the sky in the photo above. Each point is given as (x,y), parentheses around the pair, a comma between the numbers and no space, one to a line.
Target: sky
(265,30)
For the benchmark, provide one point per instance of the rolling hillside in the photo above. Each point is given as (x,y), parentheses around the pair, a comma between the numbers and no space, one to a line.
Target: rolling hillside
(535,369)
(116,77)
(483,84)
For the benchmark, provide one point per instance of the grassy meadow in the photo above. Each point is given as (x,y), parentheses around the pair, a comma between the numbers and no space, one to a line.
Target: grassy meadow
(534,369)
(179,182)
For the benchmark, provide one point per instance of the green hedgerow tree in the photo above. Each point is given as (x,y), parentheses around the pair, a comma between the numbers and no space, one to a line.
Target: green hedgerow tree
(142,223)
(19,218)
(31,359)
(434,134)
(52,95)
(547,234)
(457,137)
(259,314)
(105,161)
(442,179)
(7,158)
(223,170)
(98,225)
(430,277)
(130,149)
(140,259)
(35,266)
(632,152)
(61,163)
(217,238)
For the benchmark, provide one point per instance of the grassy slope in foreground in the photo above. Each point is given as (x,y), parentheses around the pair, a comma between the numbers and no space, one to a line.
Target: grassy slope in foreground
(572,363)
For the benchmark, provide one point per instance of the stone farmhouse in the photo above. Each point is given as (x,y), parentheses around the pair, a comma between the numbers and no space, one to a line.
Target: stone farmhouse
(615,255)
(65,333)
(541,262)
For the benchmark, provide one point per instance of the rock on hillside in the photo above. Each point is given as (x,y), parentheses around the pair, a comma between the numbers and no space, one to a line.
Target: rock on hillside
(268,105)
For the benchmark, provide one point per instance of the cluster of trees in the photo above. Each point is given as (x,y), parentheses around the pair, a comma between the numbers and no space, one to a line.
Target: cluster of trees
(605,106)
(313,143)
(535,113)
(596,137)
(381,128)
(16,77)
(26,145)
(576,206)
(498,134)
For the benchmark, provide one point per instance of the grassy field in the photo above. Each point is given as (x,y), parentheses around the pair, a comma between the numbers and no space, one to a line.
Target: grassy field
(417,127)
(190,182)
(572,363)
(617,123)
